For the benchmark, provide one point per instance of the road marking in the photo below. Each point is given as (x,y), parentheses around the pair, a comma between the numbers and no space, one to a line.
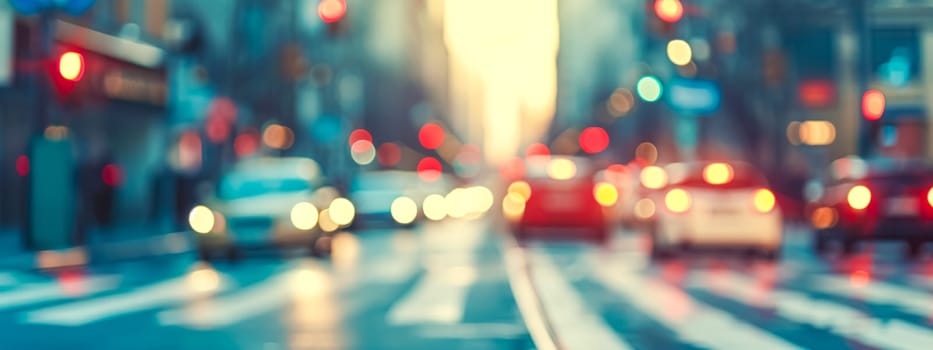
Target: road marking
(694,322)
(835,318)
(472,331)
(264,296)
(575,325)
(910,301)
(143,298)
(529,304)
(440,295)
(33,294)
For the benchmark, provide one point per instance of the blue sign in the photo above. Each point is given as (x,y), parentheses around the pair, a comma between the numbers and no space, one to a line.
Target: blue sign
(31,7)
(693,96)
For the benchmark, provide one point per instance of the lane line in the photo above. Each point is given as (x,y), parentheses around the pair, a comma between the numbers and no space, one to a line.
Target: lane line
(835,318)
(529,304)
(151,296)
(693,322)
(49,291)
(575,324)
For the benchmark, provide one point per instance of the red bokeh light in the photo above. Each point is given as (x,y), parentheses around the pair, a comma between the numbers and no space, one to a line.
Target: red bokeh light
(817,93)
(332,11)
(389,154)
(71,66)
(246,144)
(873,103)
(358,135)
(431,136)
(537,149)
(22,165)
(112,175)
(594,140)
(429,169)
(217,129)
(669,10)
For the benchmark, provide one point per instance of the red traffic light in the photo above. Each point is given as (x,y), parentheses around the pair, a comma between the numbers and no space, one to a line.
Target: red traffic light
(873,104)
(669,10)
(71,66)
(332,11)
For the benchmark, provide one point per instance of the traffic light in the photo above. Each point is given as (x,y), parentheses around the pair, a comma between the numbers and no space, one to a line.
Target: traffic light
(71,66)
(67,71)
(332,13)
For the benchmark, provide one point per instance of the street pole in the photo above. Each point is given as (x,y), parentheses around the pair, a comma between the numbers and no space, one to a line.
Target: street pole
(860,14)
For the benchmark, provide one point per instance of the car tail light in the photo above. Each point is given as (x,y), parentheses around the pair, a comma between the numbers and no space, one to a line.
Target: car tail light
(764,200)
(718,174)
(605,194)
(677,200)
(653,177)
(930,197)
(859,197)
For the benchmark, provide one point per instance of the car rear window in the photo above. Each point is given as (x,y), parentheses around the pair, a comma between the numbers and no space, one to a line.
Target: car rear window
(743,176)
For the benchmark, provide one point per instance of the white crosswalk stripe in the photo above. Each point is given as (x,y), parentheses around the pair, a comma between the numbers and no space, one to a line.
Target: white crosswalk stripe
(30,294)
(798,307)
(577,326)
(144,298)
(694,323)
(910,301)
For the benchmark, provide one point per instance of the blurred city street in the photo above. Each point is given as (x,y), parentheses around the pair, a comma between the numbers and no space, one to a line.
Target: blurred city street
(466,174)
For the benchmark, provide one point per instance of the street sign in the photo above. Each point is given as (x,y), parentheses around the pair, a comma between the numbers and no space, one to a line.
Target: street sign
(693,96)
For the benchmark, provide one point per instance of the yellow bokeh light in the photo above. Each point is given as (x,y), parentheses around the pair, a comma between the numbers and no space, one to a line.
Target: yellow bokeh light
(606,194)
(304,216)
(404,210)
(859,197)
(644,208)
(513,206)
(679,52)
(718,174)
(677,200)
(326,222)
(483,199)
(435,207)
(653,177)
(342,211)
(562,169)
(201,219)
(521,188)
(823,218)
(764,200)
(203,280)
(457,206)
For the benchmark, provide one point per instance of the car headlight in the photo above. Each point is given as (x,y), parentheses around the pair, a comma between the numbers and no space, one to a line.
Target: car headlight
(404,210)
(342,211)
(201,219)
(304,216)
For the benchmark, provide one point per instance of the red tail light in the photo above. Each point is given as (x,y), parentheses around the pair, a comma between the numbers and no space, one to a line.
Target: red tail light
(930,197)
(677,201)
(859,197)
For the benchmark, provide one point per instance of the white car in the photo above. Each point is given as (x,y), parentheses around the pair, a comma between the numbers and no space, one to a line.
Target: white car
(716,205)
(393,197)
(267,202)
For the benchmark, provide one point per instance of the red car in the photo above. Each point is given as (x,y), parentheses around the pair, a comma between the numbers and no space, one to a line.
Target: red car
(557,198)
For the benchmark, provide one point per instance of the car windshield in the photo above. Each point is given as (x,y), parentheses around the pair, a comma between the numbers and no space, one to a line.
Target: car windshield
(238,186)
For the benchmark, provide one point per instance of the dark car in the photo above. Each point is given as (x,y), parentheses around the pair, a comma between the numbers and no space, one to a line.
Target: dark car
(879,200)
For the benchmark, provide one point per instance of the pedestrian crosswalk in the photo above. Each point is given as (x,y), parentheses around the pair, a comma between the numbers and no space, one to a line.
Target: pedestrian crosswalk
(592,298)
